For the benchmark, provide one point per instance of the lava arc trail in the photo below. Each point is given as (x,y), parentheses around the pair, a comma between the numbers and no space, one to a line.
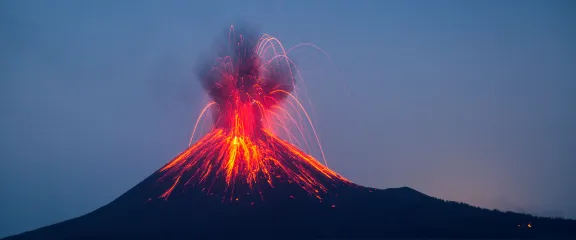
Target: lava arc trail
(252,84)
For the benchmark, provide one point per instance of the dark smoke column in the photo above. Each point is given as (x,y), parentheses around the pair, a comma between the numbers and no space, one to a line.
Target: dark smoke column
(242,83)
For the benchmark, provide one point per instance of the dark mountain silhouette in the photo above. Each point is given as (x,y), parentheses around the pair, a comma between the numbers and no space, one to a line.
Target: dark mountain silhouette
(287,211)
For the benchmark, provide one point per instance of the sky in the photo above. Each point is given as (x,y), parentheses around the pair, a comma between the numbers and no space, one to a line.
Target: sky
(471,102)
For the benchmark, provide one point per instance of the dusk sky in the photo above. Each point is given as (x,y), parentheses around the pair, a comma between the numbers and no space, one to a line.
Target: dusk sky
(471,102)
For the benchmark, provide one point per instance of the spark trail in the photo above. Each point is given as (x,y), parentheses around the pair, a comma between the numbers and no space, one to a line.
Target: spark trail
(248,82)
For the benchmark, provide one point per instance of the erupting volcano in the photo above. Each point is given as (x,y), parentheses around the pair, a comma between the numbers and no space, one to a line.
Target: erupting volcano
(249,176)
(248,83)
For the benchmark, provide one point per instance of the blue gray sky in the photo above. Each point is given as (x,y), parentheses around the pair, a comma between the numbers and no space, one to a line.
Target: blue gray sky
(470,102)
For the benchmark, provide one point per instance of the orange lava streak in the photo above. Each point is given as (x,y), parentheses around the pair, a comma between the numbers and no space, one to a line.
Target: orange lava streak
(249,160)
(198,120)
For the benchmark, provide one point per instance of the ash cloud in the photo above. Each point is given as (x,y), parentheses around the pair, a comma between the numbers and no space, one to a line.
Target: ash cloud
(234,64)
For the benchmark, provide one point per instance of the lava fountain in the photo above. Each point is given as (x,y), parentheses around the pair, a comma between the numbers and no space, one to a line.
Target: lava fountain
(251,84)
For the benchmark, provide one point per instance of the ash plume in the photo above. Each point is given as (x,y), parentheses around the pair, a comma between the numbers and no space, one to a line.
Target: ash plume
(238,72)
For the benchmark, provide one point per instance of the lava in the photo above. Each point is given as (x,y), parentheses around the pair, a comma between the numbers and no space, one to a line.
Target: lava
(249,82)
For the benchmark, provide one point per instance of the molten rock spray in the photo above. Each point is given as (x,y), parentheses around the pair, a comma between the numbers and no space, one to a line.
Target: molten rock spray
(248,82)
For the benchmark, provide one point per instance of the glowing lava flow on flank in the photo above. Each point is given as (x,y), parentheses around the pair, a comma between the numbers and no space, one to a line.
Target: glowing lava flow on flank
(248,83)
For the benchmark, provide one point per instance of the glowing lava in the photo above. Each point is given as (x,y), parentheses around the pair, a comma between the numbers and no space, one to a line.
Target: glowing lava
(248,84)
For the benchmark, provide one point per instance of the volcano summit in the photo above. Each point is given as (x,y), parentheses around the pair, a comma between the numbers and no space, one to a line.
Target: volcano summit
(242,180)
(247,85)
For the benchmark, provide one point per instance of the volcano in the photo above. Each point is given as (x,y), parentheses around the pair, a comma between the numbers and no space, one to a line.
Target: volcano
(243,180)
(288,211)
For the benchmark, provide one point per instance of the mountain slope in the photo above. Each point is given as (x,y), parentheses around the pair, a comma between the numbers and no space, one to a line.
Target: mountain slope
(351,212)
(289,196)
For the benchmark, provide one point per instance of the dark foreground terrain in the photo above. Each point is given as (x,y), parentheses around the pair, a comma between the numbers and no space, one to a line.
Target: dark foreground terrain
(286,211)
